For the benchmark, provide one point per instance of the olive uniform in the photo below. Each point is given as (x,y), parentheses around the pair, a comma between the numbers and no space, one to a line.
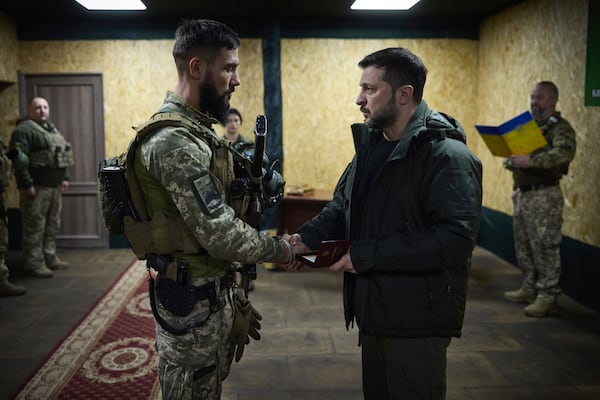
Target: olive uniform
(50,157)
(184,176)
(538,207)
(6,288)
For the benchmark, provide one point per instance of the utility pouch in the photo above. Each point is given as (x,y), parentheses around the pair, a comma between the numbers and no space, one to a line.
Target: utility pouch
(115,200)
(178,298)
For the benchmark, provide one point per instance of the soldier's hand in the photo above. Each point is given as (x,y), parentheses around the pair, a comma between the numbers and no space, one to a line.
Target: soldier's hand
(245,323)
(299,247)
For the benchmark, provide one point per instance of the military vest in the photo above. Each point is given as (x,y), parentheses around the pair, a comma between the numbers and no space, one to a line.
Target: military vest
(161,229)
(58,153)
(532,176)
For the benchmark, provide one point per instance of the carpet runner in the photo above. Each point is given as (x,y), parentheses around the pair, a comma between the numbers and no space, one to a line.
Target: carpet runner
(110,354)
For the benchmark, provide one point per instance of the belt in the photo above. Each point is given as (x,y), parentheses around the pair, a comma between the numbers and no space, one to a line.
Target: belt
(537,186)
(225,282)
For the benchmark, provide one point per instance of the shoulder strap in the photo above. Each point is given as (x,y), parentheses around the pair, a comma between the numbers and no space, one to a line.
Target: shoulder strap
(159,120)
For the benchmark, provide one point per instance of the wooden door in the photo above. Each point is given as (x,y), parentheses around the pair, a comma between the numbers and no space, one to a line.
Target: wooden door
(76,108)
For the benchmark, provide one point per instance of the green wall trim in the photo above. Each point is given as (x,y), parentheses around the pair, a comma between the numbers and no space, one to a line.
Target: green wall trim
(118,28)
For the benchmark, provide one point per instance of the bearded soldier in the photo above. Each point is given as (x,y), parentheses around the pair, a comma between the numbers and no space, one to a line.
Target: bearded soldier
(192,231)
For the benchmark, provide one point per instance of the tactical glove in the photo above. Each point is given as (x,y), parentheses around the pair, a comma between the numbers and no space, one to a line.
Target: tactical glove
(245,323)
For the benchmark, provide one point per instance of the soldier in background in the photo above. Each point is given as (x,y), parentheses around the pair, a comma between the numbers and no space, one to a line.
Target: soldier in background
(232,131)
(40,186)
(6,288)
(538,205)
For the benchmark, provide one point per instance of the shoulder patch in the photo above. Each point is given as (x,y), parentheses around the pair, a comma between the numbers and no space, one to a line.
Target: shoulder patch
(207,192)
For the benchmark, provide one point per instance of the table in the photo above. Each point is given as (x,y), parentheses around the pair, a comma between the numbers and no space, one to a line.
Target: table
(294,210)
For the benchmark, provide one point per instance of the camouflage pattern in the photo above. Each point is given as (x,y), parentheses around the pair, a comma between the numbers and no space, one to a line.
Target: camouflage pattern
(537,222)
(40,220)
(176,157)
(193,365)
(5,176)
(538,213)
(40,216)
(4,273)
(185,178)
(549,162)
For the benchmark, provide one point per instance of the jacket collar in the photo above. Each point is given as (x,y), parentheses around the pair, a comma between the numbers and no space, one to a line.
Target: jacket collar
(423,122)
(363,135)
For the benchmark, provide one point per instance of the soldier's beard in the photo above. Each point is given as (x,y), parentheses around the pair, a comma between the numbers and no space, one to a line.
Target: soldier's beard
(213,104)
(539,114)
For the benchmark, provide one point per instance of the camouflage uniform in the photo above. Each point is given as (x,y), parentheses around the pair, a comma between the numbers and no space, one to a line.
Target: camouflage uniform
(5,175)
(6,288)
(49,158)
(538,207)
(176,170)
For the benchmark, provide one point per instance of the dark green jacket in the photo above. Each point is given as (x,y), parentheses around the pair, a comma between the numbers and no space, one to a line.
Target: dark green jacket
(411,245)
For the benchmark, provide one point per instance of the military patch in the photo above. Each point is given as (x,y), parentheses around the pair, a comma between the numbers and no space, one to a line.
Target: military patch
(206,190)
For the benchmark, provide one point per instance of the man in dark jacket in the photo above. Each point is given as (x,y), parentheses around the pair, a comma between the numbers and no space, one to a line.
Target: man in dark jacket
(410,204)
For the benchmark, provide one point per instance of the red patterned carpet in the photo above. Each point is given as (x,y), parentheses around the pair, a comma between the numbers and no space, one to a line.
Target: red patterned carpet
(109,354)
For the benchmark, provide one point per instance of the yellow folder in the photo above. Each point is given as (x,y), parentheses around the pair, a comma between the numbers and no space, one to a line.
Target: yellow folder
(518,136)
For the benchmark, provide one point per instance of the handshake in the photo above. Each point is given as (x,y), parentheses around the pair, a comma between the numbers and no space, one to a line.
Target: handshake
(294,247)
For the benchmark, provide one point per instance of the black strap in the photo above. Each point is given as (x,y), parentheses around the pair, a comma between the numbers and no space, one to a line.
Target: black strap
(206,291)
(164,324)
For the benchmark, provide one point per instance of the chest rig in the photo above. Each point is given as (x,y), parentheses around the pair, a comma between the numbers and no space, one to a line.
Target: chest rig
(58,152)
(165,231)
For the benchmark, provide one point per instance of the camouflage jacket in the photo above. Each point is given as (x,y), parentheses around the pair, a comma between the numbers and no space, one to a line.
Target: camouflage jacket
(180,162)
(550,162)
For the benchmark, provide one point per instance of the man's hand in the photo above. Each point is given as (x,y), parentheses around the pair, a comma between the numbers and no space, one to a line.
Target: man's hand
(299,247)
(519,161)
(29,192)
(343,264)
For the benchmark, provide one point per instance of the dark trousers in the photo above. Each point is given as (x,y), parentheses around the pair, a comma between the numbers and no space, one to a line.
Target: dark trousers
(404,368)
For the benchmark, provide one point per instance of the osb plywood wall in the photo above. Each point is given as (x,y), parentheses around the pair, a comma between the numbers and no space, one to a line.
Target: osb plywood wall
(8,74)
(136,77)
(483,82)
(8,49)
(541,40)
(320,80)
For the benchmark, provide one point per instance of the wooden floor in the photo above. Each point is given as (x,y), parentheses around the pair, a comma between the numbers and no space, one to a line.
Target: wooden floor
(306,353)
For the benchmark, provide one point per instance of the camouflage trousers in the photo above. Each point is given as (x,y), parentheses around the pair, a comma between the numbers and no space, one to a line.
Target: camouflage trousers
(537,229)
(4,273)
(193,365)
(40,220)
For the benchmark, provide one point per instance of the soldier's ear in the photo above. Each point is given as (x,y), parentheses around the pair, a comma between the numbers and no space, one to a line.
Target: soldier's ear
(197,68)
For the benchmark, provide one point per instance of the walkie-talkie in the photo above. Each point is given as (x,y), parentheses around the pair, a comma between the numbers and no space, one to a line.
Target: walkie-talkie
(260,132)
(261,125)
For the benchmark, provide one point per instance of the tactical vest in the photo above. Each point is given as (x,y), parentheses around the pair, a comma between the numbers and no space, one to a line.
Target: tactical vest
(58,153)
(165,232)
(533,176)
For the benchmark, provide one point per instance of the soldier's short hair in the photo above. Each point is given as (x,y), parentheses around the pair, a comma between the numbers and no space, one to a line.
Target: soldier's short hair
(552,87)
(401,68)
(203,37)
